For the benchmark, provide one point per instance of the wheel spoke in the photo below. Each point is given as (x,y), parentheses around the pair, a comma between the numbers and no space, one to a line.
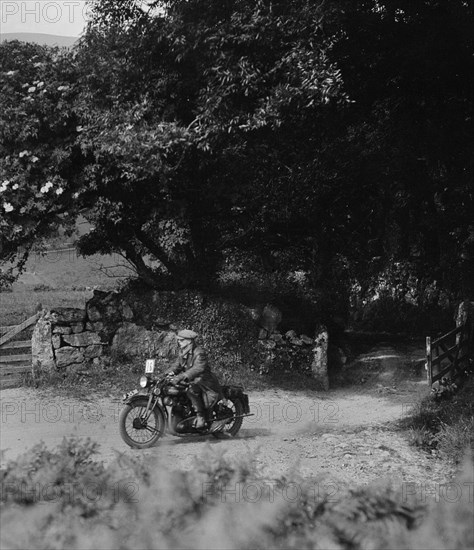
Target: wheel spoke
(147,432)
(152,430)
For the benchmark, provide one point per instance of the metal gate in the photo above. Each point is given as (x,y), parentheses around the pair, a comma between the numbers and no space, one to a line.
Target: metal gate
(448,356)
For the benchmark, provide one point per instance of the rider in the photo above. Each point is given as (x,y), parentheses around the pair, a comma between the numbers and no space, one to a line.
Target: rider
(192,366)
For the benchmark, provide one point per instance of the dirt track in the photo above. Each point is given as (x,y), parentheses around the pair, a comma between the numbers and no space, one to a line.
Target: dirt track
(345,435)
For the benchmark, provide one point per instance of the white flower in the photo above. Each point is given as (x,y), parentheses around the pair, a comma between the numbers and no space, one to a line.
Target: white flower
(34,159)
(32,89)
(23,153)
(79,128)
(10,73)
(40,84)
(59,191)
(7,207)
(62,88)
(15,186)
(75,195)
(46,187)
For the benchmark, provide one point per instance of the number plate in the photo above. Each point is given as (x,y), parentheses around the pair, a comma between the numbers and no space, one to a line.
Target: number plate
(129,394)
(149,366)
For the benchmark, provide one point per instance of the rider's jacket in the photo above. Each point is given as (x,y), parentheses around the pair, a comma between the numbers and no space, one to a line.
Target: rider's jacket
(197,369)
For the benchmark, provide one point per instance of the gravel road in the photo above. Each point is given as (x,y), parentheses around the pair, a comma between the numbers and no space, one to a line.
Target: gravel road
(346,435)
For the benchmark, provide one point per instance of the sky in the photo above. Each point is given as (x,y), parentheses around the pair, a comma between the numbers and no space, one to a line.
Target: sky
(57,17)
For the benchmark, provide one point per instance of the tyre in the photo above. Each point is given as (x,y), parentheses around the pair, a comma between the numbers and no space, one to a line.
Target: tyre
(138,432)
(233,427)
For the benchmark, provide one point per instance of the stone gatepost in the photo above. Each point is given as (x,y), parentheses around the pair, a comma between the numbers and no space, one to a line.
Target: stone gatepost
(319,366)
(62,341)
(42,353)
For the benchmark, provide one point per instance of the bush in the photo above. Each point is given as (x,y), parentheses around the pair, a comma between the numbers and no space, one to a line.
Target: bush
(62,498)
(395,315)
(445,426)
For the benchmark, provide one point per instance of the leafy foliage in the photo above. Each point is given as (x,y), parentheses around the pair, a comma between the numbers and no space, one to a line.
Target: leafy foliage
(328,138)
(37,154)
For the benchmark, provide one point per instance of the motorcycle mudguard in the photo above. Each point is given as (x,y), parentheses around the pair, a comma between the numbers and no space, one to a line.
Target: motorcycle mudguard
(131,397)
(237,392)
(143,396)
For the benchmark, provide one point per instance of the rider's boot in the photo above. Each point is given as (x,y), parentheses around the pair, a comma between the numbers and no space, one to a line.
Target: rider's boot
(200,421)
(195,396)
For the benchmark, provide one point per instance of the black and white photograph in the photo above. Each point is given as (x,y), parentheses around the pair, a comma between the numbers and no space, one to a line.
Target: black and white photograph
(236,275)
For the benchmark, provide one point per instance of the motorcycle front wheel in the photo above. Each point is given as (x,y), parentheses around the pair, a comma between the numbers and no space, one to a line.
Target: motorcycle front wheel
(136,429)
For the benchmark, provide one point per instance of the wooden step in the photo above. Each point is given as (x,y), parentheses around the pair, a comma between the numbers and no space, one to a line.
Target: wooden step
(7,370)
(11,382)
(15,358)
(16,345)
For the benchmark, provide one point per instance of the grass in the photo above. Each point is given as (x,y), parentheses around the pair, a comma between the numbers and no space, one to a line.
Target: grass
(59,278)
(115,375)
(446,426)
(110,377)
(65,269)
(62,498)
(18,305)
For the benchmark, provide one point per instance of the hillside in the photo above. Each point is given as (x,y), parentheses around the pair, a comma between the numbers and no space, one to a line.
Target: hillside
(58,276)
(40,38)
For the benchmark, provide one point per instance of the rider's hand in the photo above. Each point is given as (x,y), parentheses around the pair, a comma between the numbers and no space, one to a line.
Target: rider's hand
(178,379)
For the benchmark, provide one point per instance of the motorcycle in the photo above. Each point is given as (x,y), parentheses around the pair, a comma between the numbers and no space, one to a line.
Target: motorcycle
(161,407)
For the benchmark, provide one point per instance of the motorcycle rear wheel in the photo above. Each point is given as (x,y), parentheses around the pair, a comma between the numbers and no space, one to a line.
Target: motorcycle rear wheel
(238,409)
(146,435)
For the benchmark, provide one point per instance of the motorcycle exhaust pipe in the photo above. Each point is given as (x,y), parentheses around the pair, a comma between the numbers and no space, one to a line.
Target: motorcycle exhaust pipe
(219,425)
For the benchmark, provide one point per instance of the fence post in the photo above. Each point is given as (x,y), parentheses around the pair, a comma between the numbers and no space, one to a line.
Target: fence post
(429,374)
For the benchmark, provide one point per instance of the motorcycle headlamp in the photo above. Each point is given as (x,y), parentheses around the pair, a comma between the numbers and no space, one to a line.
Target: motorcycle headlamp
(144,381)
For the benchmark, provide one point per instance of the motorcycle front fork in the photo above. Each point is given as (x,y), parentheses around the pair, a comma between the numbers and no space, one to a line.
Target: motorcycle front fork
(150,406)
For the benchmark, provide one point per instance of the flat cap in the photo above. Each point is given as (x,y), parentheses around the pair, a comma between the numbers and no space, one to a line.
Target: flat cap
(186,334)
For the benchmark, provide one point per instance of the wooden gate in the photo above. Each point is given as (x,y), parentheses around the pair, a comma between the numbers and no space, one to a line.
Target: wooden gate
(449,355)
(15,352)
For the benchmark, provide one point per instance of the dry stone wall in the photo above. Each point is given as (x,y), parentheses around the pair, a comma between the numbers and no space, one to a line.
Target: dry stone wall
(63,339)
(138,324)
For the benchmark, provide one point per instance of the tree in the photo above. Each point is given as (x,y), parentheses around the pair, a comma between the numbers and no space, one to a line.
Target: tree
(38,155)
(173,110)
(333,138)
(408,68)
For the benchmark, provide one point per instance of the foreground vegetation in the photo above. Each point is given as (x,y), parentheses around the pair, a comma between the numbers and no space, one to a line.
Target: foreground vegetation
(63,498)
